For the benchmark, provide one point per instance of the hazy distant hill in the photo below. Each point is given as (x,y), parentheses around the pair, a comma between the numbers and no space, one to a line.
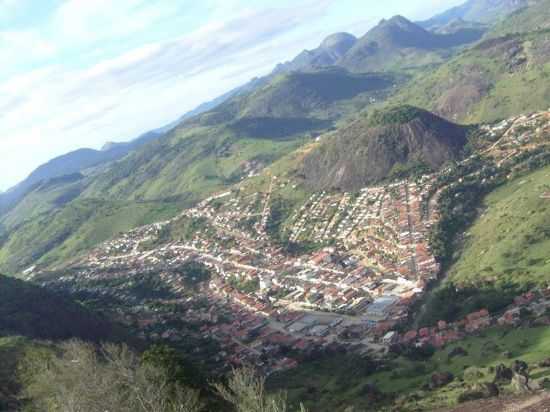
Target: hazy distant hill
(82,159)
(536,17)
(400,43)
(328,53)
(70,163)
(482,11)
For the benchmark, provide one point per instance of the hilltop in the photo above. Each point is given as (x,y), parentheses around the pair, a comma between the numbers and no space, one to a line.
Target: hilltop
(386,144)
(332,49)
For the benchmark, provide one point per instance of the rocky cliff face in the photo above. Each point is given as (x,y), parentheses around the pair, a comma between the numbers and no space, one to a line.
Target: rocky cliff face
(375,148)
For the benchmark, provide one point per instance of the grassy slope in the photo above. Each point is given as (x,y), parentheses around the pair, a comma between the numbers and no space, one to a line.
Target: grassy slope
(61,234)
(189,164)
(535,17)
(511,240)
(335,383)
(478,86)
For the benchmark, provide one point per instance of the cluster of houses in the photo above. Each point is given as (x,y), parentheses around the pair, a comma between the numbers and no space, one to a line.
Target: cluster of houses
(515,134)
(533,306)
(265,306)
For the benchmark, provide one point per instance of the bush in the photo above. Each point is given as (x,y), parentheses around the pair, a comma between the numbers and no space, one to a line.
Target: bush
(111,378)
(245,390)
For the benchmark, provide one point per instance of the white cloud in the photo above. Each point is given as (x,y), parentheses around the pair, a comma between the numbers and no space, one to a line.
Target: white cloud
(60,106)
(89,21)
(29,44)
(56,109)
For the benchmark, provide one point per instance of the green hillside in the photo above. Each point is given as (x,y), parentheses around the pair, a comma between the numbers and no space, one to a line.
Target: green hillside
(509,242)
(492,80)
(60,234)
(527,19)
(339,382)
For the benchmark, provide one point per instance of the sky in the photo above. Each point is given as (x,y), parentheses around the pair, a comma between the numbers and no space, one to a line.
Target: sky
(80,73)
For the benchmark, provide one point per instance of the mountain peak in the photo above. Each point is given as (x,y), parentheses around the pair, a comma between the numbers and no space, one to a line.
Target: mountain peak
(327,54)
(340,42)
(398,19)
(398,23)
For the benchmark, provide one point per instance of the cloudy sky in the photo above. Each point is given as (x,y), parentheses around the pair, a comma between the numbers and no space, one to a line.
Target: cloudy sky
(79,73)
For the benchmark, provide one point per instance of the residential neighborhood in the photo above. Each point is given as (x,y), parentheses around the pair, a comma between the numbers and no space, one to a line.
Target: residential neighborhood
(261,304)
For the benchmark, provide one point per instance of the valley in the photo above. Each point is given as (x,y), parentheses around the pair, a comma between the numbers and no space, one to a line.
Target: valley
(346,278)
(365,227)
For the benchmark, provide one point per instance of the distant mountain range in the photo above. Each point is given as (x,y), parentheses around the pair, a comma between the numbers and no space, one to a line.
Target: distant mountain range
(481,11)
(392,44)
(70,163)
(82,159)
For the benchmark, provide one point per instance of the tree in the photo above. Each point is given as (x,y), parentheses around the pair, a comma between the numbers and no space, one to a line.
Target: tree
(83,378)
(245,390)
(177,368)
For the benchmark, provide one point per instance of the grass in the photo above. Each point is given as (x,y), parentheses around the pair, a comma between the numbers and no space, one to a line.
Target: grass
(509,242)
(62,234)
(478,85)
(11,349)
(514,93)
(535,17)
(338,382)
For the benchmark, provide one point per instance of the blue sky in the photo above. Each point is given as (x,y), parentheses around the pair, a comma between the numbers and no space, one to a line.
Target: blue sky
(79,73)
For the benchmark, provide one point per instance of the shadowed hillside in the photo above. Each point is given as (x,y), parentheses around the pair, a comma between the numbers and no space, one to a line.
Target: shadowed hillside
(34,312)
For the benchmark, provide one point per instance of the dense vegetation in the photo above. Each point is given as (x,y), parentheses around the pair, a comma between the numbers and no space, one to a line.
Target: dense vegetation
(516,225)
(78,376)
(35,312)
(395,115)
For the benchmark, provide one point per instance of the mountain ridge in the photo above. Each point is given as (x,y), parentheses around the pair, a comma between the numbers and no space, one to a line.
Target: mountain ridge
(481,11)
